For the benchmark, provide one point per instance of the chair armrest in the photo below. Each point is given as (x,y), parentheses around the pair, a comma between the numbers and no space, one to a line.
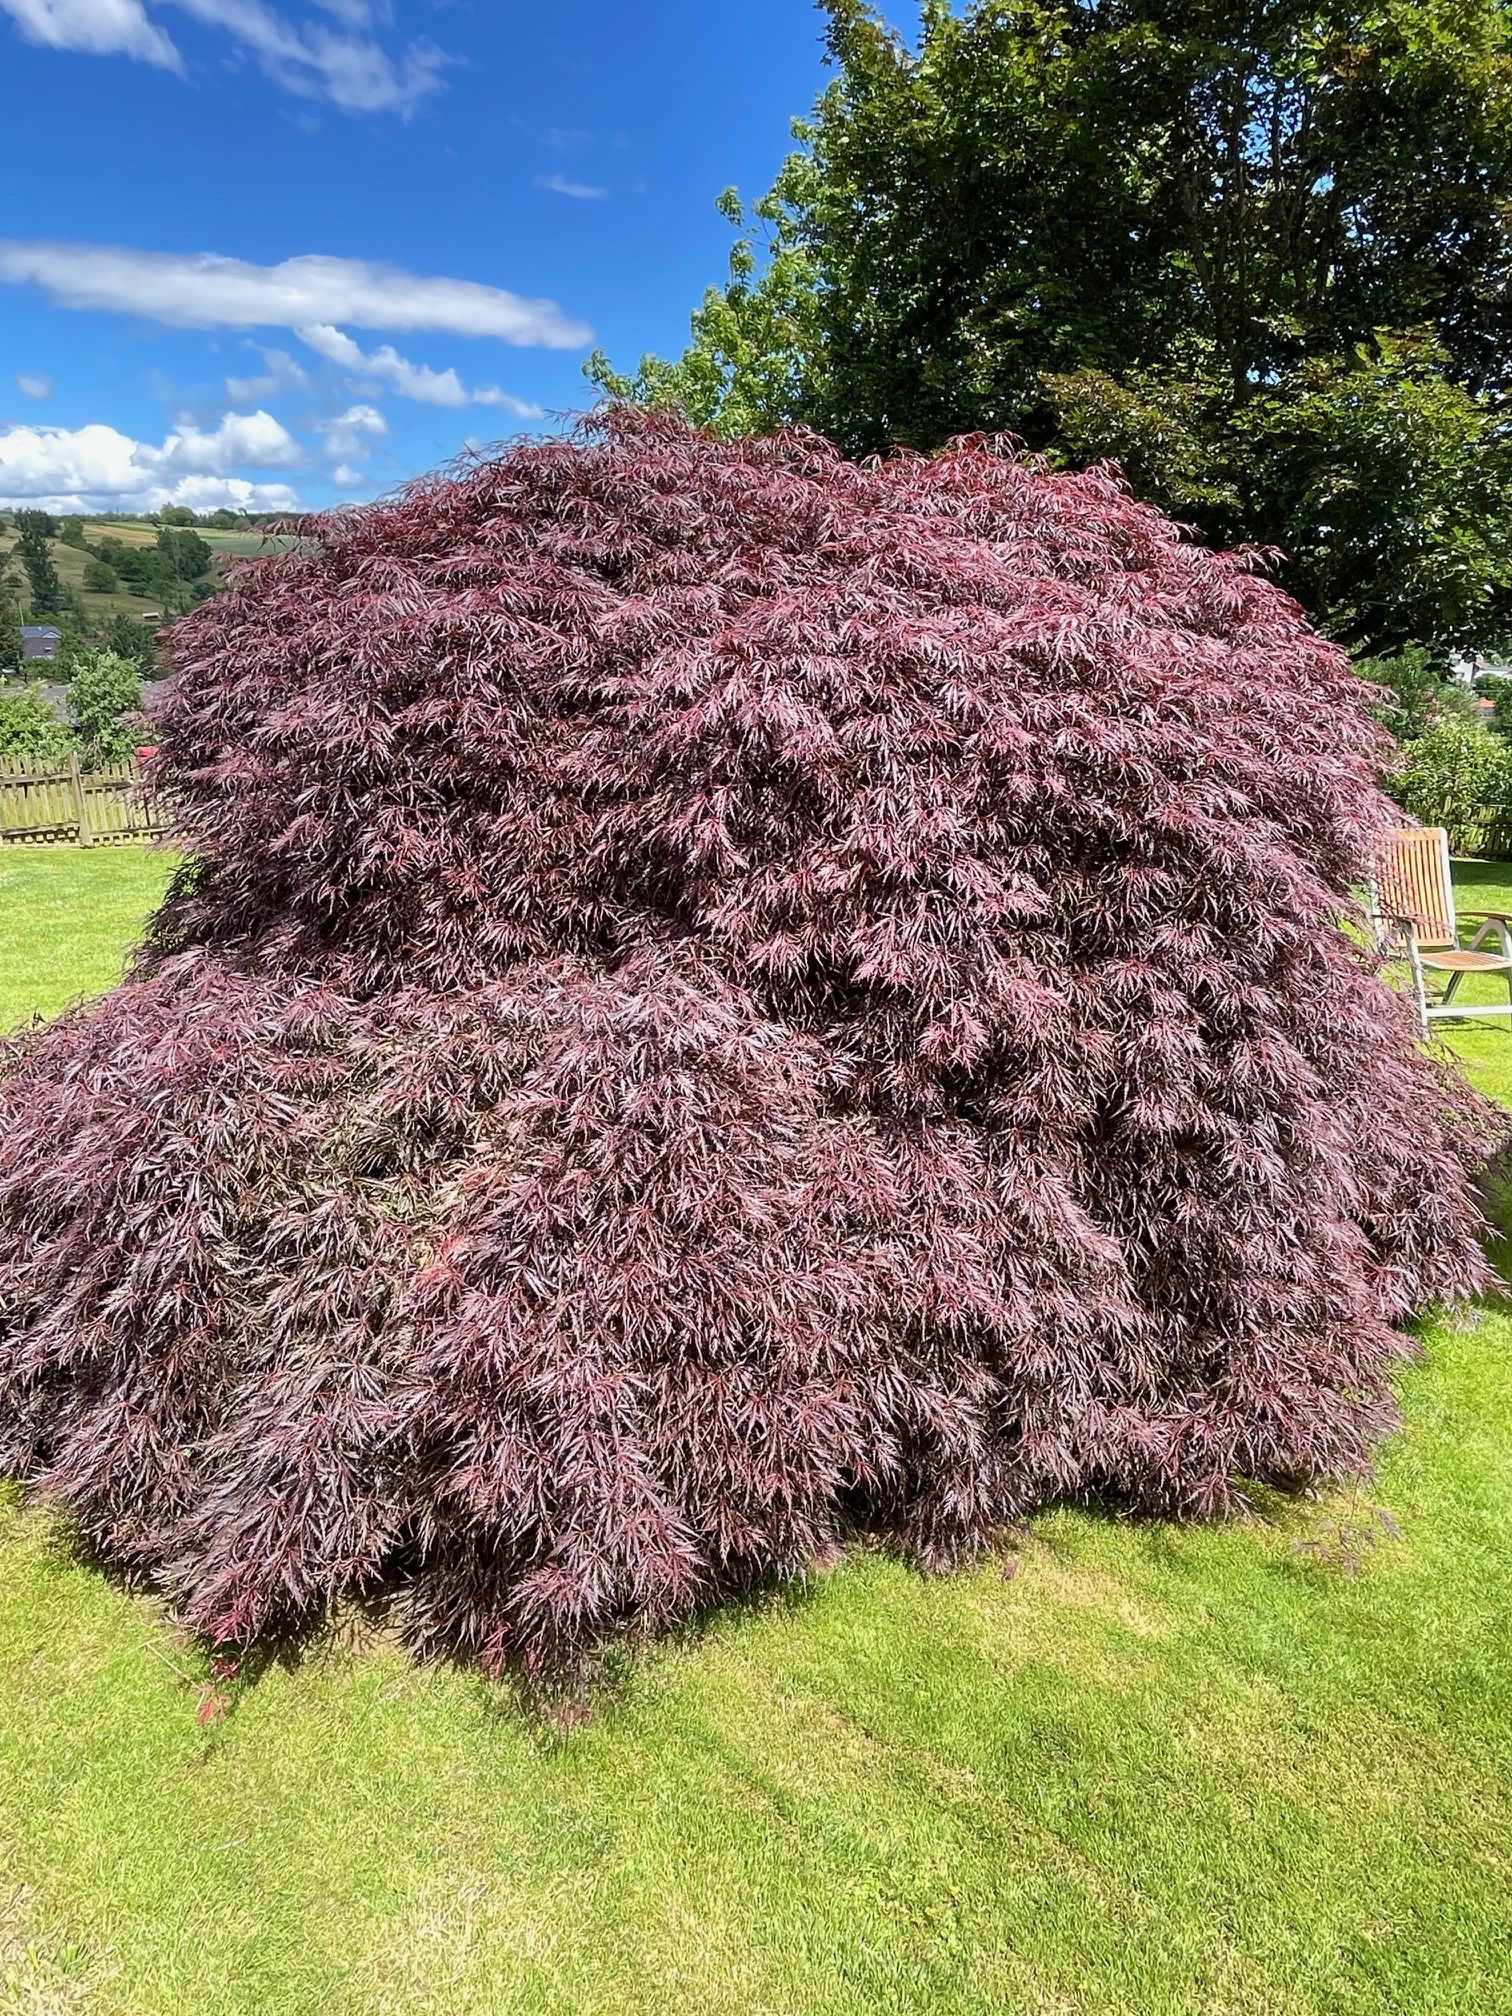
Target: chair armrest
(1492,924)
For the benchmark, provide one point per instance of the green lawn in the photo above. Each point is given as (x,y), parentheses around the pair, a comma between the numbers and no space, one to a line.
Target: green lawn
(1254,1770)
(67,916)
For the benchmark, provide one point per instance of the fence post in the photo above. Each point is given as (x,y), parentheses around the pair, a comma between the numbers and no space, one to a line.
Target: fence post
(78,792)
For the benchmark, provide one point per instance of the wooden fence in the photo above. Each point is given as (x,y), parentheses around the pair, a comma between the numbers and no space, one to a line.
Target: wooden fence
(1486,830)
(49,799)
(1474,829)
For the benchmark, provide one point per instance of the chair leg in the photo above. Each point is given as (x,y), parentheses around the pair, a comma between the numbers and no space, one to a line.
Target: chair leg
(1420,994)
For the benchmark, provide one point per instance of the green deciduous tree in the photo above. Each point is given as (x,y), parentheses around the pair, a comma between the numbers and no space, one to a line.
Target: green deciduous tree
(132,639)
(12,651)
(1453,773)
(1389,485)
(100,578)
(29,727)
(1416,692)
(34,529)
(755,352)
(105,687)
(1245,247)
(184,556)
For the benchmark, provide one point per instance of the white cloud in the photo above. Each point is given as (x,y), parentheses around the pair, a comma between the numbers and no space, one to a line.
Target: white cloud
(345,477)
(347,436)
(34,387)
(280,373)
(242,440)
(351,70)
(98,27)
(97,468)
(355,13)
(332,344)
(490,395)
(214,493)
(205,290)
(412,381)
(563,185)
(345,65)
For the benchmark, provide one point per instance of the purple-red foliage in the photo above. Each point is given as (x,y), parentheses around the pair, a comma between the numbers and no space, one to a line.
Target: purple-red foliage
(724,1000)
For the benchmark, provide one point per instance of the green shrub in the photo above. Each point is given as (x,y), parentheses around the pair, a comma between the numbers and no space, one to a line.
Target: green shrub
(1453,774)
(1416,692)
(105,687)
(29,727)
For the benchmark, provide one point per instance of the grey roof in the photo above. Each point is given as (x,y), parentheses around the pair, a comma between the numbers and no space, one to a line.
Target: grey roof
(40,630)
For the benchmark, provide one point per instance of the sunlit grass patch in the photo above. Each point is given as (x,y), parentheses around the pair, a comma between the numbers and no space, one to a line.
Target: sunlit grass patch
(68,917)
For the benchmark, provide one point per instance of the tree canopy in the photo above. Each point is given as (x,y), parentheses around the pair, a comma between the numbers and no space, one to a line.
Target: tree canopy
(1240,245)
(103,689)
(12,644)
(34,529)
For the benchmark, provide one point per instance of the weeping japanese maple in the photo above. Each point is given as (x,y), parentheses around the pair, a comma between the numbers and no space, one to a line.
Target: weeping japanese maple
(721,1001)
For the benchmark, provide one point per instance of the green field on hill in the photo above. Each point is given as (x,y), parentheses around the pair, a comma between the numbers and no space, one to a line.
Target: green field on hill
(235,545)
(71,561)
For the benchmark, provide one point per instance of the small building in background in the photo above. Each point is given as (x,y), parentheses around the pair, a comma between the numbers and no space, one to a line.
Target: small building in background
(1466,667)
(40,640)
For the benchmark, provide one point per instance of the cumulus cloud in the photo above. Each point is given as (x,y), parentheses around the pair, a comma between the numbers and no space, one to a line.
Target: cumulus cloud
(33,386)
(280,373)
(242,440)
(345,477)
(98,27)
(349,436)
(205,290)
(345,65)
(97,468)
(563,185)
(412,381)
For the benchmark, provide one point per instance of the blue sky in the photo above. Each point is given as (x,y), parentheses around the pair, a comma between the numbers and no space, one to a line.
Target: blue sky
(274,252)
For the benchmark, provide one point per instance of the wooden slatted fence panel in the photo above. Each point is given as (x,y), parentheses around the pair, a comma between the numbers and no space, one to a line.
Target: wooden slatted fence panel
(37,799)
(119,806)
(1486,832)
(45,799)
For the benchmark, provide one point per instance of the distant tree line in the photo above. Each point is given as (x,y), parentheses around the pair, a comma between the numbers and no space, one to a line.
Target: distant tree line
(179,561)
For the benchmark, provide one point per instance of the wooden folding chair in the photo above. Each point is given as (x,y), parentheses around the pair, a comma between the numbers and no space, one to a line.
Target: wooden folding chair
(1412,905)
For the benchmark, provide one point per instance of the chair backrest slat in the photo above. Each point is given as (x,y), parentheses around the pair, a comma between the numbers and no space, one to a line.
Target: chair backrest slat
(1412,880)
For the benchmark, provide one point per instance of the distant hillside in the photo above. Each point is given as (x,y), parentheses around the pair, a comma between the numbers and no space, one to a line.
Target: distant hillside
(70,563)
(107,539)
(232,544)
